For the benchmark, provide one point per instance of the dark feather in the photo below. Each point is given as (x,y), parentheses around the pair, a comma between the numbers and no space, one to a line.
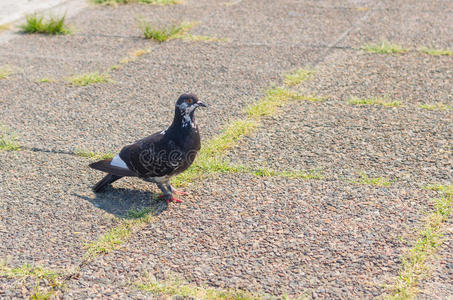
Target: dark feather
(108,179)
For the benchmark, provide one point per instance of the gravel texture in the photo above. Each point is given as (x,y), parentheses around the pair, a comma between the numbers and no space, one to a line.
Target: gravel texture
(410,146)
(45,216)
(326,238)
(411,24)
(440,285)
(274,235)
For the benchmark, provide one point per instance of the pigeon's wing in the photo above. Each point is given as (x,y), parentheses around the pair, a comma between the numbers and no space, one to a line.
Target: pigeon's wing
(153,156)
(106,166)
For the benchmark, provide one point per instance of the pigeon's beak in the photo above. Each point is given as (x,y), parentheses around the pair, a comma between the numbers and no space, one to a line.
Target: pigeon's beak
(201,104)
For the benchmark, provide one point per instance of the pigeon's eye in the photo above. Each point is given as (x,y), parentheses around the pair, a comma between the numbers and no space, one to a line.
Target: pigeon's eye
(189,101)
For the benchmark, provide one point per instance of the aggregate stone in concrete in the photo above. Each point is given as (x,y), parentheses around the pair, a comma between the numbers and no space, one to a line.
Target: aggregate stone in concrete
(411,79)
(411,24)
(59,57)
(46,212)
(343,141)
(140,101)
(440,283)
(279,23)
(273,235)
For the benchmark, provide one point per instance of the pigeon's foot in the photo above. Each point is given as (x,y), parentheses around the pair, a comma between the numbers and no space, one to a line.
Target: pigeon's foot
(169,198)
(178,192)
(175,191)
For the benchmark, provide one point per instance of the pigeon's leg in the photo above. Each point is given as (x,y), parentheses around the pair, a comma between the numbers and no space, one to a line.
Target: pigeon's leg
(175,191)
(167,195)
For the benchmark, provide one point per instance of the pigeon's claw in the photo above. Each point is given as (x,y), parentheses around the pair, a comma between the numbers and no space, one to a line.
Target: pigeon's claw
(169,198)
(181,193)
(173,200)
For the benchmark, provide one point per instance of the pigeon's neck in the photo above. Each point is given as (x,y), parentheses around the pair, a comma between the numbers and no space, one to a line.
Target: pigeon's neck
(184,119)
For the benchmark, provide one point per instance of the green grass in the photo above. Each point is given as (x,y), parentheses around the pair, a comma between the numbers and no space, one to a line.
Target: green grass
(385,47)
(94,155)
(265,172)
(209,158)
(5,27)
(179,288)
(374,101)
(5,71)
(297,76)
(436,52)
(273,100)
(90,78)
(132,56)
(446,189)
(436,106)
(118,235)
(28,270)
(152,2)
(377,181)
(416,261)
(115,237)
(52,278)
(39,24)
(166,33)
(8,140)
(45,80)
(203,38)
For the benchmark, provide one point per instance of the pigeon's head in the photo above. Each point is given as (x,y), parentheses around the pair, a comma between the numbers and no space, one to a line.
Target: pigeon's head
(187,103)
(185,108)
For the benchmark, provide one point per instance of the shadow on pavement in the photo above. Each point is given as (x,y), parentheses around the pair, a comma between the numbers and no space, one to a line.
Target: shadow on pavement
(120,201)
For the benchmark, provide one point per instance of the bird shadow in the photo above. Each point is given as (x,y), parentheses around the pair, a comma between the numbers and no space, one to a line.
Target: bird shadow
(126,203)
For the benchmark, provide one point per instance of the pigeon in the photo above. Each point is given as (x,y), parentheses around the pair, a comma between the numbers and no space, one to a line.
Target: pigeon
(159,156)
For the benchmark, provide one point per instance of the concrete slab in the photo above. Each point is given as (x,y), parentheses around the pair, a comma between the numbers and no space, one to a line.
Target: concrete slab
(414,24)
(412,78)
(410,146)
(44,218)
(141,101)
(274,235)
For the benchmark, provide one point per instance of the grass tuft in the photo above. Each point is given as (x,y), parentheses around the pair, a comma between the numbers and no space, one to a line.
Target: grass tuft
(118,235)
(274,99)
(180,288)
(209,158)
(52,278)
(38,24)
(385,47)
(27,270)
(446,189)
(264,172)
(374,101)
(414,266)
(5,71)
(298,76)
(45,80)
(164,34)
(8,140)
(228,138)
(378,181)
(114,238)
(436,106)
(436,52)
(94,155)
(90,78)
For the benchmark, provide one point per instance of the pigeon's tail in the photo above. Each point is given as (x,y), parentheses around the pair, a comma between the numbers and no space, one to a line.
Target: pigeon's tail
(106,166)
(108,179)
